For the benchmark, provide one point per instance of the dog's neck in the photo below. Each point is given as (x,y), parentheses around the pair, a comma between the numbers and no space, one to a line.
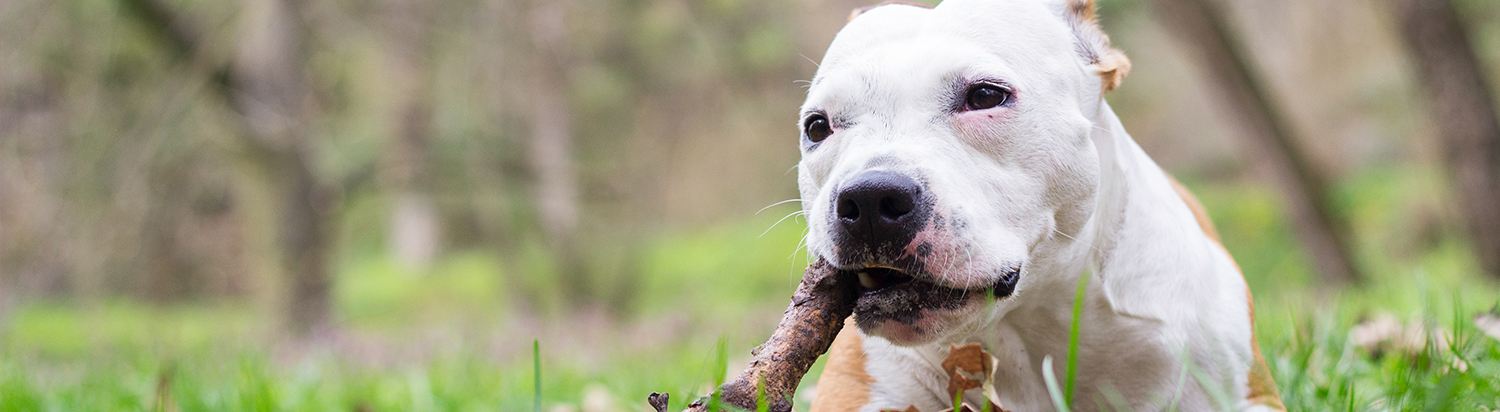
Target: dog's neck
(1128,181)
(1120,164)
(1134,202)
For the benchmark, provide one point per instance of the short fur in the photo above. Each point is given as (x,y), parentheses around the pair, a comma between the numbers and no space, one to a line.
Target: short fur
(1050,183)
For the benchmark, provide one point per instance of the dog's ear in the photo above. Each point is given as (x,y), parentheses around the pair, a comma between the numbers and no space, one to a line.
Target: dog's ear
(864,9)
(1093,44)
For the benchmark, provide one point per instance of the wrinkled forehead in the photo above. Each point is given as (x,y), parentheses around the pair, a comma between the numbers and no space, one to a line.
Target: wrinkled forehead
(1019,40)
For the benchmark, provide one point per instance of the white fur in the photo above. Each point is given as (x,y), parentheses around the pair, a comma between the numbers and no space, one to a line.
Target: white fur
(1052,183)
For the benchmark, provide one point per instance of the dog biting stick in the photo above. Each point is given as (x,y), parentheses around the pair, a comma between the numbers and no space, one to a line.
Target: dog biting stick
(817,312)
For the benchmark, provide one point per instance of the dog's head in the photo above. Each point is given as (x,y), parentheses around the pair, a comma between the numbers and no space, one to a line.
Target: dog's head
(940,146)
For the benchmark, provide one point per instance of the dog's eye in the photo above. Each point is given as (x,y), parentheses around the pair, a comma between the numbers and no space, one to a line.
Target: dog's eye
(984,96)
(816,128)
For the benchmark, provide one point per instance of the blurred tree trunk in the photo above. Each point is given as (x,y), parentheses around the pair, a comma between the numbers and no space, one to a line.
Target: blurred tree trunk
(168,273)
(556,180)
(414,224)
(1461,107)
(266,84)
(1203,27)
(304,236)
(502,185)
(273,92)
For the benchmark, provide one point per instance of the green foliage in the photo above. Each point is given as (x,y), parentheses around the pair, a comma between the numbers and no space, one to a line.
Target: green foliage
(463,287)
(1321,370)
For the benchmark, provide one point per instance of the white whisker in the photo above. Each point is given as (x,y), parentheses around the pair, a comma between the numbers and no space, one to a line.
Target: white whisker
(968,261)
(949,270)
(809,60)
(1054,230)
(802,244)
(792,271)
(777,204)
(773,225)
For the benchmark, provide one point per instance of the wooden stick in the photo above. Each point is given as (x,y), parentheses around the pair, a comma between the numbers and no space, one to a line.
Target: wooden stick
(816,314)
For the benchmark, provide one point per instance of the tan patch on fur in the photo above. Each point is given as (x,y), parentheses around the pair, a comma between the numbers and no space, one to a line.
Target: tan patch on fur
(844,385)
(1093,45)
(1263,389)
(1113,67)
(1198,212)
(861,10)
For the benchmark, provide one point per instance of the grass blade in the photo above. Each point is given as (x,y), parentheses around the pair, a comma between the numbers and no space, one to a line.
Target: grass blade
(760,396)
(536,365)
(721,368)
(1052,389)
(1072,372)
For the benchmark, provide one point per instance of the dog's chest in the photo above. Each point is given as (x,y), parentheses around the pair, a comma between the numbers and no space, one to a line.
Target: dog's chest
(1124,355)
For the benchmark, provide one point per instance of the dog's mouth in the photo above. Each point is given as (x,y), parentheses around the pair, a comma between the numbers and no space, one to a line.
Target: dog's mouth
(876,279)
(889,293)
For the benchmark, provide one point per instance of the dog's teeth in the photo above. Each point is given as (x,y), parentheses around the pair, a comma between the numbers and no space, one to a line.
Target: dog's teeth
(866,281)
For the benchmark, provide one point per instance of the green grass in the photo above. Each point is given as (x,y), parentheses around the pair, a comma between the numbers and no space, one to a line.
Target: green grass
(1073,328)
(458,338)
(1320,369)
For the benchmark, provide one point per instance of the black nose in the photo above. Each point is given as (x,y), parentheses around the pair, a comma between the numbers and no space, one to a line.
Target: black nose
(880,212)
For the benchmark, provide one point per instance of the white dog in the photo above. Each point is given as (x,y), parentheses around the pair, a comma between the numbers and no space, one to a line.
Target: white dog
(963,161)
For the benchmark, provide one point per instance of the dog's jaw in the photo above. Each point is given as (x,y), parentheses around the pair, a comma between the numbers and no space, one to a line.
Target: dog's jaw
(925,325)
(912,311)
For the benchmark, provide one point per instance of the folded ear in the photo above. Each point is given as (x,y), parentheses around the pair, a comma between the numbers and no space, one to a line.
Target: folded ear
(861,10)
(1093,44)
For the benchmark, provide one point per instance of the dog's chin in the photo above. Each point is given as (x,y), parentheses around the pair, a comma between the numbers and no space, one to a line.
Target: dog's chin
(927,326)
(912,311)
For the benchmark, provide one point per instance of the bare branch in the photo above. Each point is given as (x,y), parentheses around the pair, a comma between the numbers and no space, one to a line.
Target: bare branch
(823,300)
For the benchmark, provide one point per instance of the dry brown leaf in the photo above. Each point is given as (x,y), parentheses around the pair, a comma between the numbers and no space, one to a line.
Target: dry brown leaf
(968,367)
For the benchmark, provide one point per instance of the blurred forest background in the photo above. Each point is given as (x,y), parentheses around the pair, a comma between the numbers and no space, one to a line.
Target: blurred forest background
(335,204)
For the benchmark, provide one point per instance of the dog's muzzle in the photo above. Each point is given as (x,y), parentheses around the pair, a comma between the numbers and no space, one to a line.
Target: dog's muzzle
(878,213)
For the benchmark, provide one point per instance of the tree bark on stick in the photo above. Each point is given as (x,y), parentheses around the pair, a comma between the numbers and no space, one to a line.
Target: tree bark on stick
(1460,104)
(823,300)
(1204,28)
